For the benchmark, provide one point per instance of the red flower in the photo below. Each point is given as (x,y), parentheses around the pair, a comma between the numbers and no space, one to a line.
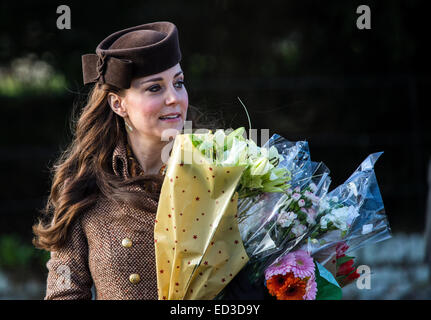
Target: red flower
(341,249)
(346,273)
(345,268)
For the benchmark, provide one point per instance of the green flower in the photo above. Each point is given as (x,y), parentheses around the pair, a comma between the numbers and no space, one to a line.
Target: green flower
(260,167)
(261,173)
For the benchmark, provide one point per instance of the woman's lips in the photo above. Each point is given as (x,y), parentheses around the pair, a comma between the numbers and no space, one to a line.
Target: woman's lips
(171,118)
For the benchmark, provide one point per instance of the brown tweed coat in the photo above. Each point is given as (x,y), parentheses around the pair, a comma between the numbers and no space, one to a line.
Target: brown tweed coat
(111,246)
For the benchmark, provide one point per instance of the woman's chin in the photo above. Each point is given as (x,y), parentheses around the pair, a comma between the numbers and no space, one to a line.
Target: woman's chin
(174,123)
(167,129)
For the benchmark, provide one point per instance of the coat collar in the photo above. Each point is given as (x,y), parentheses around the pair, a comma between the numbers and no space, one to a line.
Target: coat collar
(121,168)
(120,164)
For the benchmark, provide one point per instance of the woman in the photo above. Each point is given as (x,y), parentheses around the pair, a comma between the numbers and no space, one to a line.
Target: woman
(99,219)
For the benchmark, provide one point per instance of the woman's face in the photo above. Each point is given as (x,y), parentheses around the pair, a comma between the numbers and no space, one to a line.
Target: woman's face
(156,103)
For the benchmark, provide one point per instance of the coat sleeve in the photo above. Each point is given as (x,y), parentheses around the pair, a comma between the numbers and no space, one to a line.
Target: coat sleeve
(69,277)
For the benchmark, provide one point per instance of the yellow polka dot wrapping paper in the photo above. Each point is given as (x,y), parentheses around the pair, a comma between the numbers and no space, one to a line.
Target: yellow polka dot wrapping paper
(198,245)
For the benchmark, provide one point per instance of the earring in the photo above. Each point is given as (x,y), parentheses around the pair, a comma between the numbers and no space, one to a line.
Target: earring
(128,127)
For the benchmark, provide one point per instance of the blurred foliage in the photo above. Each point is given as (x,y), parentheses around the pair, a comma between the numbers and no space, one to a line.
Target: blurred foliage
(14,254)
(29,76)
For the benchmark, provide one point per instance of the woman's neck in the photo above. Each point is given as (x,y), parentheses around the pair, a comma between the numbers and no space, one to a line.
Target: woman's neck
(147,152)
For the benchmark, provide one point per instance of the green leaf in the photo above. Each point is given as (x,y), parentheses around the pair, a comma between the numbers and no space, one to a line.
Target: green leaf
(196,141)
(327,287)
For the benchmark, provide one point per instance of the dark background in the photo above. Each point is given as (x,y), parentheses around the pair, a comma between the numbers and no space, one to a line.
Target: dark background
(302,68)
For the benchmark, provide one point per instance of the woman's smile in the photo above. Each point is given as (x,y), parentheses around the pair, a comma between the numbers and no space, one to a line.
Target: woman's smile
(171,117)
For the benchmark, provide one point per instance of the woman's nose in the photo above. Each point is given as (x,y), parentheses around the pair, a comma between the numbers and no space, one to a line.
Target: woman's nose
(172,96)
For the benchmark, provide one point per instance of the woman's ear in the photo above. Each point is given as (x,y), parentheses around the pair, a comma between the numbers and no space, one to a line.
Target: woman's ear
(116,104)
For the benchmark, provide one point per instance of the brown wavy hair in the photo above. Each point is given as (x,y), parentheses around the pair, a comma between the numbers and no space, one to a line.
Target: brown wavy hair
(83,171)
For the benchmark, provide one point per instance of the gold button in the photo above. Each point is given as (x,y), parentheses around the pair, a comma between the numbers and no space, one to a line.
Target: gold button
(126,243)
(134,278)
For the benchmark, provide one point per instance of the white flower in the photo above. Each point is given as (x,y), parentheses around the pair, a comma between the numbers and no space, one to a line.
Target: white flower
(260,167)
(312,212)
(310,219)
(341,218)
(206,146)
(237,134)
(298,189)
(308,194)
(296,196)
(291,215)
(254,151)
(299,229)
(219,139)
(312,197)
(301,203)
(324,204)
(237,155)
(263,151)
(286,219)
(311,216)
(273,153)
(324,221)
(283,221)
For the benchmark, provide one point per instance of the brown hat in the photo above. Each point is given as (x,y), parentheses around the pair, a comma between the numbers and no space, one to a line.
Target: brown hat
(134,52)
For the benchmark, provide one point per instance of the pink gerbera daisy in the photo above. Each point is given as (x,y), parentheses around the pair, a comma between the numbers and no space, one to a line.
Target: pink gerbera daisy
(311,289)
(293,272)
(304,265)
(280,266)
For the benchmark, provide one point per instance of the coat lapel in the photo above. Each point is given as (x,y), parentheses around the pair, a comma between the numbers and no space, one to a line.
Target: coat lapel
(119,160)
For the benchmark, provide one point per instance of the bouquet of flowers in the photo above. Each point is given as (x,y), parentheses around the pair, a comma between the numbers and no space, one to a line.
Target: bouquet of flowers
(198,245)
(226,202)
(271,223)
(349,217)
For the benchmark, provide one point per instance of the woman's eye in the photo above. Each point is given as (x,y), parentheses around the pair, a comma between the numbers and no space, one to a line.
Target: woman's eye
(179,84)
(154,88)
